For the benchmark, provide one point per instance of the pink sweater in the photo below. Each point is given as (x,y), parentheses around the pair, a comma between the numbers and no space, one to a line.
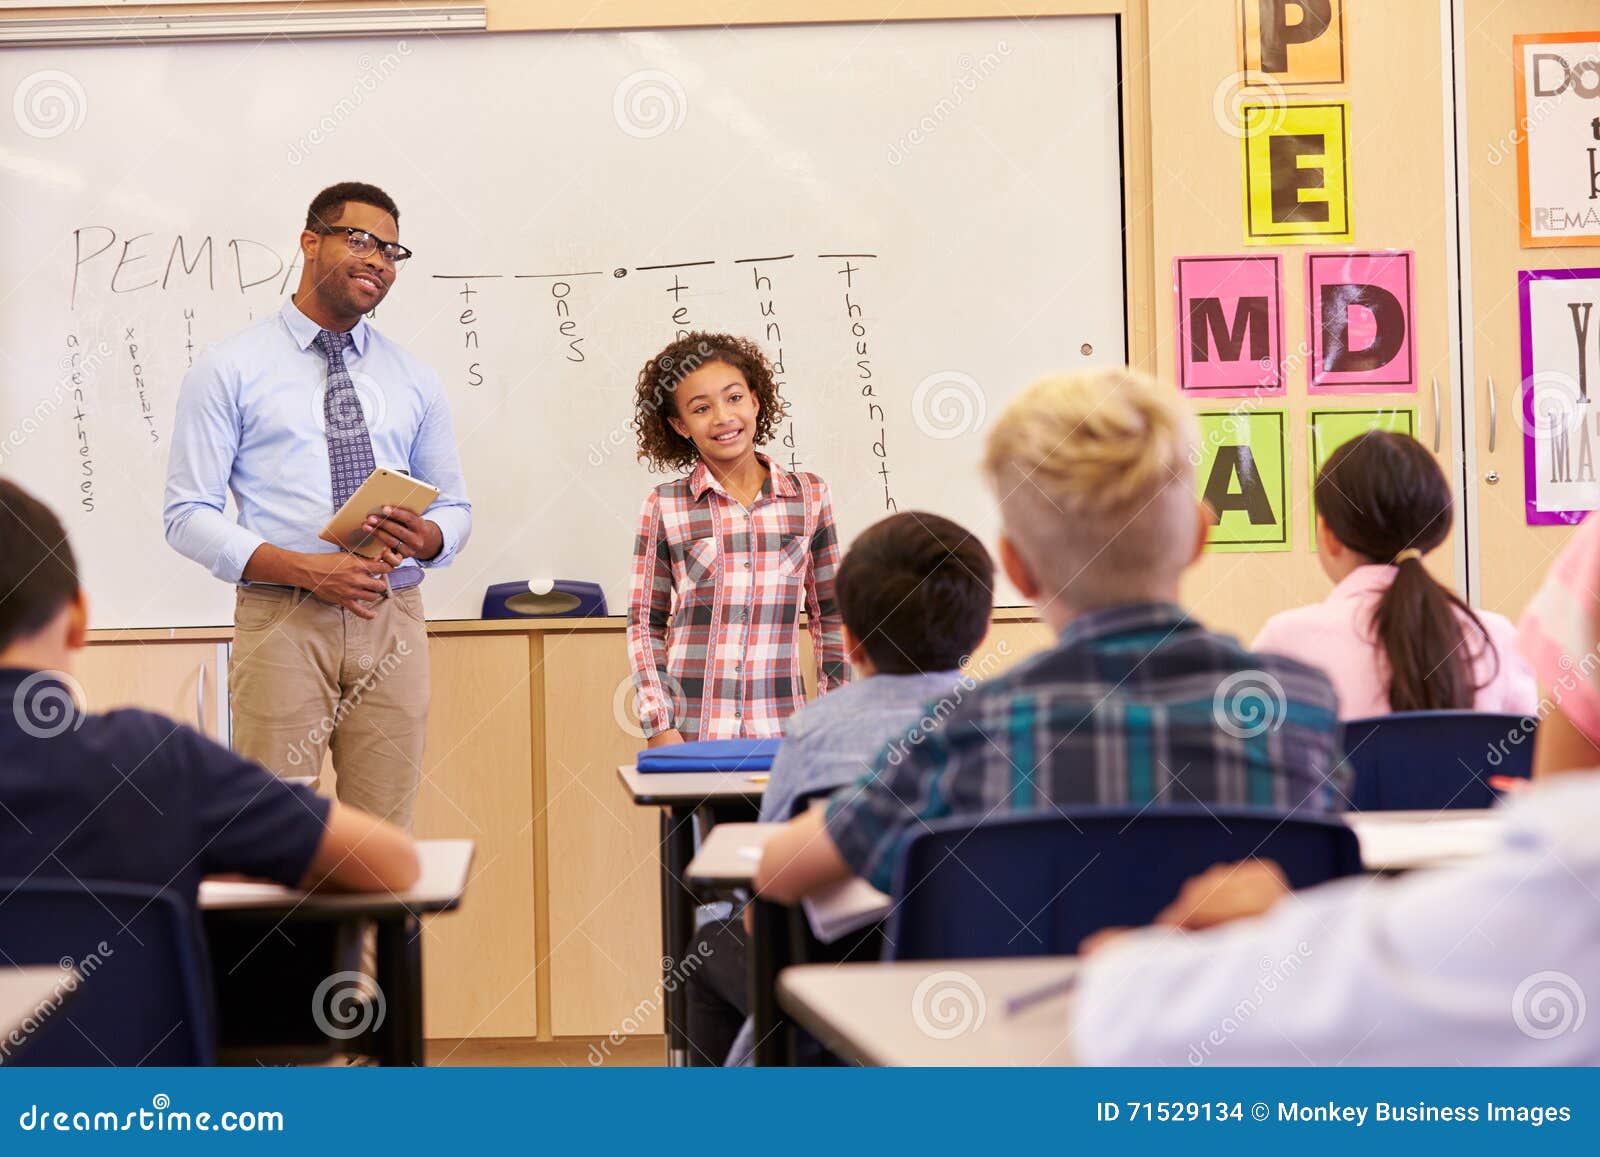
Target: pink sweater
(1559,630)
(1336,636)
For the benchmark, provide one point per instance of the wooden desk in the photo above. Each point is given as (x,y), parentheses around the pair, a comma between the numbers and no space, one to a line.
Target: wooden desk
(692,788)
(934,1012)
(445,864)
(1402,840)
(680,794)
(32,993)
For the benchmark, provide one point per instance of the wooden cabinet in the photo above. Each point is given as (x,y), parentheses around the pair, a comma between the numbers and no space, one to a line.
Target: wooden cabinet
(480,962)
(1006,645)
(605,882)
(183,680)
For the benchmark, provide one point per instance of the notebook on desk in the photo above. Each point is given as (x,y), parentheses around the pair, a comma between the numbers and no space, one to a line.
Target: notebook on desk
(842,909)
(710,755)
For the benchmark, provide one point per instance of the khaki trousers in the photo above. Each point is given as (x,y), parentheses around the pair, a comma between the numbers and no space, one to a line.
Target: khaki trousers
(306,678)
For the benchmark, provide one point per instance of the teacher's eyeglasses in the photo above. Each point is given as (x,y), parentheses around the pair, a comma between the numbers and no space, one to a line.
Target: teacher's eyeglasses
(362,243)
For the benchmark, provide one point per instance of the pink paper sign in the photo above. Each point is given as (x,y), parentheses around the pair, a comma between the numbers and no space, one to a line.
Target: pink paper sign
(1359,318)
(1230,325)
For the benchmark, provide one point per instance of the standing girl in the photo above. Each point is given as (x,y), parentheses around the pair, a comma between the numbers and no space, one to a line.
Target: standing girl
(1389,635)
(727,555)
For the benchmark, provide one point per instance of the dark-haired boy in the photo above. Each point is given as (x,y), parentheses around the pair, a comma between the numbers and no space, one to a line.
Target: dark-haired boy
(916,592)
(132,797)
(290,416)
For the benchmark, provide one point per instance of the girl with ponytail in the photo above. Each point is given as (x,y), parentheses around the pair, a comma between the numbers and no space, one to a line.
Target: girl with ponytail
(1389,635)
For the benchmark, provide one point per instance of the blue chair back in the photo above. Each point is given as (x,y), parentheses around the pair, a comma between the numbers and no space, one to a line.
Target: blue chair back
(1427,760)
(144,995)
(1037,884)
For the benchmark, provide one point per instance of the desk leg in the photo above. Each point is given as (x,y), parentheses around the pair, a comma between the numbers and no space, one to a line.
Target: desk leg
(399,977)
(677,919)
(769,952)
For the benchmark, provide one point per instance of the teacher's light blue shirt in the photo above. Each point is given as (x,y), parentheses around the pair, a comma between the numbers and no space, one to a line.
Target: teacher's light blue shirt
(250,421)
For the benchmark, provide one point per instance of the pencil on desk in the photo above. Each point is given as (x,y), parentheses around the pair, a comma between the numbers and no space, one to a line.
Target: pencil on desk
(1028,998)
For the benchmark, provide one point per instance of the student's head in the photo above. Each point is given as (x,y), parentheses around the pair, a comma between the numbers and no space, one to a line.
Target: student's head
(345,281)
(42,610)
(707,395)
(1382,499)
(1095,482)
(915,592)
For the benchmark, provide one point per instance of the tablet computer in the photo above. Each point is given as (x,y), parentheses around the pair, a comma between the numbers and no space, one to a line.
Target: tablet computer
(383,487)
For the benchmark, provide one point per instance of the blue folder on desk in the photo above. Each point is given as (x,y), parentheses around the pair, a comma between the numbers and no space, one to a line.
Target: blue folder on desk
(711,755)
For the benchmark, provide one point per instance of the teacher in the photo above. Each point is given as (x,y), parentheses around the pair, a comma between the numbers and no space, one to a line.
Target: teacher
(291,415)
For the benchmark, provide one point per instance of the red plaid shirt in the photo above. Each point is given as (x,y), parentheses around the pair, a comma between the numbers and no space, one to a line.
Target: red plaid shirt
(714,614)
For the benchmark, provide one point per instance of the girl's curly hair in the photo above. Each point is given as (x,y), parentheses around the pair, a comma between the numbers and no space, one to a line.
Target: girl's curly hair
(659,444)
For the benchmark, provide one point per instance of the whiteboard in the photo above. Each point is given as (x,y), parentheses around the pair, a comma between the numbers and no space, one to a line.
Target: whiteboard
(968,170)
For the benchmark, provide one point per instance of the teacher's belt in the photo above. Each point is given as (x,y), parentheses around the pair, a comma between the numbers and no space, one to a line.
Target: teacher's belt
(399,580)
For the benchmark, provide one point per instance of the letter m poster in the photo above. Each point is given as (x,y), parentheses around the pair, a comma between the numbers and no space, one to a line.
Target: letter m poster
(1230,326)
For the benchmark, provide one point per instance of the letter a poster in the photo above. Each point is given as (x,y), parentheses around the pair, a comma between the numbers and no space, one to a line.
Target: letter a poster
(1244,476)
(1560,380)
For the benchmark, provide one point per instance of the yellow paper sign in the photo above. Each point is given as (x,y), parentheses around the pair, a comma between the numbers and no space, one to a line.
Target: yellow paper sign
(1291,42)
(1296,174)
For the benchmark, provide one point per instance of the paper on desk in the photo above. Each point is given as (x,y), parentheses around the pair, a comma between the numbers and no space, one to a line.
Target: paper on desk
(844,908)
(1436,841)
(223,892)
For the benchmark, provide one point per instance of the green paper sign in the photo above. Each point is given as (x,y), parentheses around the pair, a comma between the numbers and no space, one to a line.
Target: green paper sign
(1331,429)
(1243,473)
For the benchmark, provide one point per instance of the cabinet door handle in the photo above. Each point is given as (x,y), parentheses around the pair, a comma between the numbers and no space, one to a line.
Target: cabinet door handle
(1493,413)
(1435,413)
(200,700)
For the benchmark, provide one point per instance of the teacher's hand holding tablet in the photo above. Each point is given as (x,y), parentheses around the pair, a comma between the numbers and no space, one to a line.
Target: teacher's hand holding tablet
(408,534)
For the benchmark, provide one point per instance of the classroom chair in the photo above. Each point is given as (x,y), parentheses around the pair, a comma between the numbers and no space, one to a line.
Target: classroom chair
(1037,884)
(144,995)
(1427,760)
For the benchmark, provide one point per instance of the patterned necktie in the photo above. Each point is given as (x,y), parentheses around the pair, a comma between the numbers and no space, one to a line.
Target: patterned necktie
(350,457)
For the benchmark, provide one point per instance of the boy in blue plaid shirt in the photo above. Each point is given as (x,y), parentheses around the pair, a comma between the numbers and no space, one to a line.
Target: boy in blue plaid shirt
(1136,703)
